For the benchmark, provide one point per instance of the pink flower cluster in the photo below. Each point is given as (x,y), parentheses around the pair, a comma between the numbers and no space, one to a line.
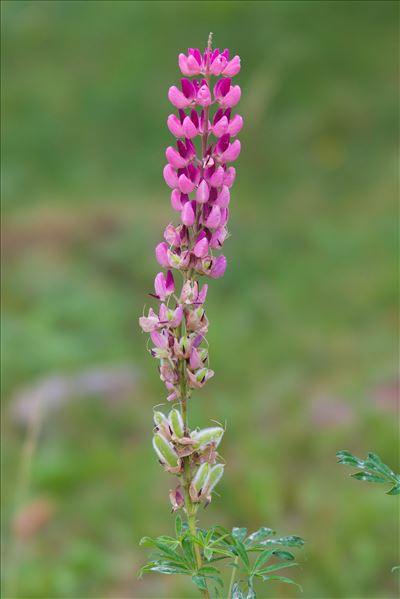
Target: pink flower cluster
(200,180)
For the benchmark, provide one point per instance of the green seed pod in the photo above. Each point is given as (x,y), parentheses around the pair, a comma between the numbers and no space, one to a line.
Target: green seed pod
(205,436)
(160,419)
(165,452)
(176,423)
(199,482)
(162,424)
(214,477)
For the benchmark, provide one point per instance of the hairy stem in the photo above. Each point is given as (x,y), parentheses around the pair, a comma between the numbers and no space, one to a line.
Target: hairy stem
(190,507)
(232,577)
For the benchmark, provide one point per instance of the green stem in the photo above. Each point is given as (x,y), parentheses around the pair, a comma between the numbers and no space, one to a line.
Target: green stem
(190,507)
(232,577)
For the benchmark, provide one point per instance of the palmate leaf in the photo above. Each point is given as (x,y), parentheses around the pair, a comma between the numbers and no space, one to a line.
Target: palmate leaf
(177,556)
(372,470)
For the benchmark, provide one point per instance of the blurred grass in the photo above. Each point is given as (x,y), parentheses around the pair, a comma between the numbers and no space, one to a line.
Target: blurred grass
(303,323)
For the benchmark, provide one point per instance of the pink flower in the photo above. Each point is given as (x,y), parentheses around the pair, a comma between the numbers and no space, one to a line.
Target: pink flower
(218,268)
(195,361)
(204,96)
(214,218)
(189,65)
(171,318)
(202,193)
(188,215)
(185,184)
(223,197)
(232,152)
(217,176)
(230,176)
(162,254)
(218,237)
(184,98)
(232,68)
(164,286)
(172,236)
(220,127)
(149,323)
(201,247)
(235,125)
(189,128)
(170,176)
(176,200)
(200,183)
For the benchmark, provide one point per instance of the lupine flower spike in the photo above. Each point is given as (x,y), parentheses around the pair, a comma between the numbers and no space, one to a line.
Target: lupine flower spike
(200,175)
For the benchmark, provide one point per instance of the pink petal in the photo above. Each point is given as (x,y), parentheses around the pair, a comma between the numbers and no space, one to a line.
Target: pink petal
(232,68)
(170,176)
(177,98)
(204,96)
(185,184)
(214,217)
(235,125)
(202,193)
(200,249)
(188,215)
(232,152)
(174,125)
(174,158)
(224,197)
(189,129)
(162,254)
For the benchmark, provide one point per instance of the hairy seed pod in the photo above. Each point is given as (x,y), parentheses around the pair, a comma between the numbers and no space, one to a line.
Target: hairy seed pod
(176,423)
(205,436)
(161,423)
(199,482)
(215,474)
(165,451)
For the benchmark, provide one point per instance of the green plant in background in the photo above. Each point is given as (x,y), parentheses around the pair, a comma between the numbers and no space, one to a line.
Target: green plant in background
(371,470)
(200,180)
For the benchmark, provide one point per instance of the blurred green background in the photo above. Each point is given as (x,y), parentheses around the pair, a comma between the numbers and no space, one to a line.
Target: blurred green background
(303,327)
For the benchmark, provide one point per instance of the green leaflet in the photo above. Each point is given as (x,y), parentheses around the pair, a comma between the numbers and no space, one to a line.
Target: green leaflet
(371,470)
(283,579)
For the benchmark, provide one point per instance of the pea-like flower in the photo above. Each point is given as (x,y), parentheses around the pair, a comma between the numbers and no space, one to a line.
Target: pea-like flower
(200,178)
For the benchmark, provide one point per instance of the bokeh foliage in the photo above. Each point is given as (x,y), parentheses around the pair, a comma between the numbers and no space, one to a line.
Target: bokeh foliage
(302,327)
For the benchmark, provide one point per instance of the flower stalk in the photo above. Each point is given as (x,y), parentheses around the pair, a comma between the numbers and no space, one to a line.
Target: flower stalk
(200,174)
(200,181)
